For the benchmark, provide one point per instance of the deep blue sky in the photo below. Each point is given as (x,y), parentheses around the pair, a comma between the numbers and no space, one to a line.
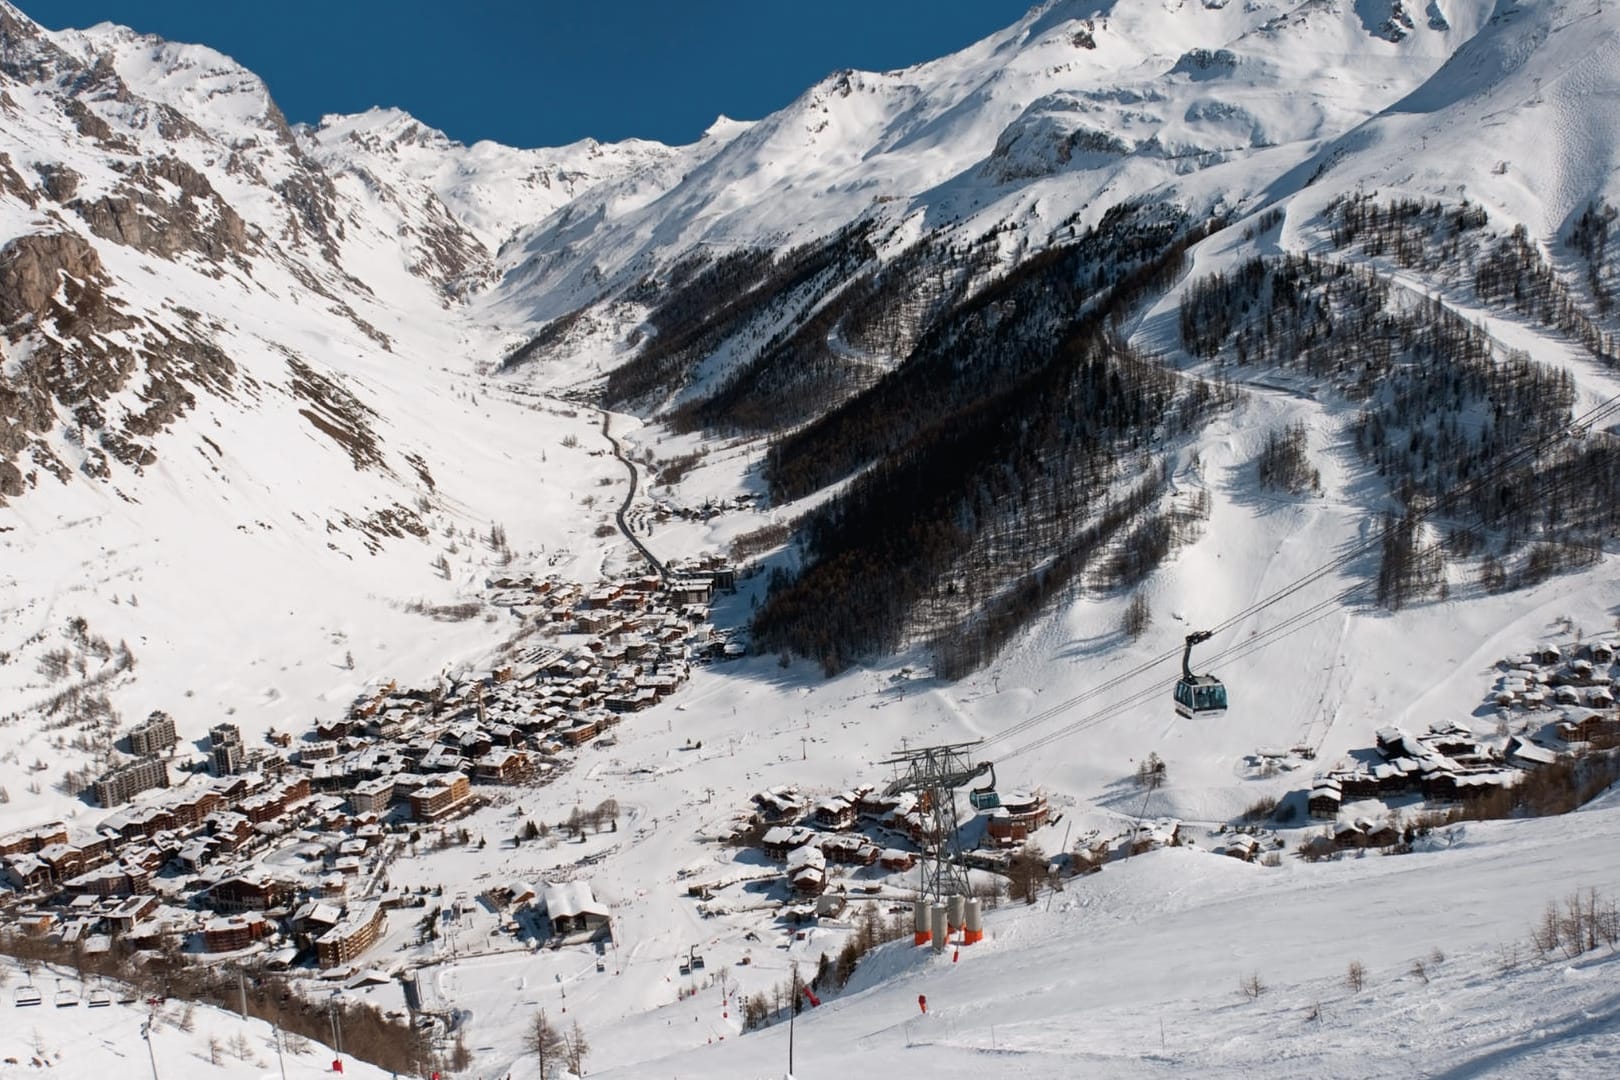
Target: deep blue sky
(543,73)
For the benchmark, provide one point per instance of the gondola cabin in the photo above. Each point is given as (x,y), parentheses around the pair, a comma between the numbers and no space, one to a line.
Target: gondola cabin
(1198,695)
(985,798)
(1202,695)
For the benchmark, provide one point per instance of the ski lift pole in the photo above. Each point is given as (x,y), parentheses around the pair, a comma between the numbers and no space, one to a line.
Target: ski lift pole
(793,1010)
(280,1057)
(337,1031)
(146,1033)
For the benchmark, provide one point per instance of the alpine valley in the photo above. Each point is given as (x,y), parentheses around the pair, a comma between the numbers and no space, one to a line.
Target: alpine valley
(937,408)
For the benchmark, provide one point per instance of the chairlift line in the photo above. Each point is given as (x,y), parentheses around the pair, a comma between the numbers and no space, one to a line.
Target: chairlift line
(1288,626)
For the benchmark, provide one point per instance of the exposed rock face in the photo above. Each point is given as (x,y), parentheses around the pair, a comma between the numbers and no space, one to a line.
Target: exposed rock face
(59,182)
(1051,135)
(312,209)
(75,368)
(139,215)
(26,54)
(93,127)
(12,183)
(31,269)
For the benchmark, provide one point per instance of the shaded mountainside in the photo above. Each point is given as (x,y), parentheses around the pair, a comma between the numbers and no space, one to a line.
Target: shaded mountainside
(971,383)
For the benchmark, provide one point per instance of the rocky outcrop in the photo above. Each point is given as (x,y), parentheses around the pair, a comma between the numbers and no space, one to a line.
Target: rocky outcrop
(76,368)
(12,183)
(1051,135)
(60,183)
(94,128)
(138,214)
(26,54)
(31,272)
(312,204)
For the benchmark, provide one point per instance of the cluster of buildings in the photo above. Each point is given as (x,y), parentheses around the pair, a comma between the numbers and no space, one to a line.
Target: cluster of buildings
(154,736)
(807,836)
(1449,763)
(1446,763)
(188,868)
(638,639)
(286,844)
(1547,676)
(858,828)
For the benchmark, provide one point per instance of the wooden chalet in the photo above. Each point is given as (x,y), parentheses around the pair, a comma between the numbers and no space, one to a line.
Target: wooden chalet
(439,799)
(503,767)
(807,871)
(778,804)
(26,873)
(896,860)
(1524,754)
(1380,834)
(1326,797)
(1242,846)
(239,894)
(778,842)
(228,933)
(1347,836)
(1166,832)
(125,916)
(836,813)
(574,912)
(1587,725)
(579,732)
(850,850)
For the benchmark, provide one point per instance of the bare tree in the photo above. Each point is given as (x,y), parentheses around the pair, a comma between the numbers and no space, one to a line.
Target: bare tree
(1137,617)
(575,1048)
(545,1042)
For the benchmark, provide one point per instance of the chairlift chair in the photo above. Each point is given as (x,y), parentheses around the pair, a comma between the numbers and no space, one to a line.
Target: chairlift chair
(99,998)
(1198,695)
(25,996)
(66,999)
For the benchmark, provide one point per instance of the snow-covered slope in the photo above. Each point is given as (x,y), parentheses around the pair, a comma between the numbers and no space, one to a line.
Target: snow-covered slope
(240,416)
(492,190)
(1107,100)
(269,396)
(1139,972)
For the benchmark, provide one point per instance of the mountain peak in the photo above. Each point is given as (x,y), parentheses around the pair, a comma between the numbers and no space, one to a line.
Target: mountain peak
(724,127)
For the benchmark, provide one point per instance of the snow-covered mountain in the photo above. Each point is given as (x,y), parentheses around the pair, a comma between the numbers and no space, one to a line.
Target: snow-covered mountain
(1012,367)
(1078,105)
(240,420)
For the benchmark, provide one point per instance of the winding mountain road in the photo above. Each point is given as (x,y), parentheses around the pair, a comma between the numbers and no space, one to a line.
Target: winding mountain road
(629,497)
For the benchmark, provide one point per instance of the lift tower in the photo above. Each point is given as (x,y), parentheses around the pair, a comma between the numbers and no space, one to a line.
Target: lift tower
(934,773)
